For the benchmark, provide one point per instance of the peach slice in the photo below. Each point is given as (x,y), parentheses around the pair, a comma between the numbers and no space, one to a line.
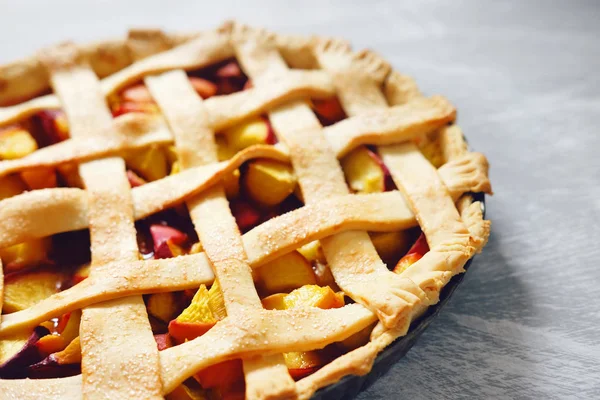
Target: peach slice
(230,78)
(324,275)
(229,85)
(163,341)
(269,182)
(137,94)
(330,110)
(63,333)
(27,254)
(134,179)
(183,331)
(199,309)
(22,290)
(231,183)
(364,171)
(167,241)
(303,363)
(314,296)
(216,301)
(151,163)
(203,87)
(359,339)
(70,175)
(19,352)
(415,253)
(54,124)
(69,326)
(312,252)
(206,308)
(431,149)
(229,70)
(162,306)
(256,130)
(195,249)
(223,374)
(175,168)
(420,246)
(224,151)
(71,354)
(11,345)
(305,296)
(62,363)
(171,154)
(50,344)
(119,109)
(246,215)
(40,178)
(286,273)
(81,273)
(406,262)
(274,302)
(11,186)
(16,142)
(390,245)
(172,160)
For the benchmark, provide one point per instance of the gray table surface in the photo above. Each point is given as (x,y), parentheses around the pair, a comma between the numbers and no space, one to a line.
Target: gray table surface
(524,76)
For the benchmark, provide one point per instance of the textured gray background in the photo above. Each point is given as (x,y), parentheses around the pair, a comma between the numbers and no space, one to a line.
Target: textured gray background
(524,76)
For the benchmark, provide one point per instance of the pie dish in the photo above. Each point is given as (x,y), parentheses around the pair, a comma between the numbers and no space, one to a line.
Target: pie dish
(264,215)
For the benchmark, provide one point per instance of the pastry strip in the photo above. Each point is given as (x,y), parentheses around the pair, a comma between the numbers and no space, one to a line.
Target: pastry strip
(65,209)
(288,330)
(68,388)
(224,110)
(390,125)
(129,131)
(134,278)
(137,130)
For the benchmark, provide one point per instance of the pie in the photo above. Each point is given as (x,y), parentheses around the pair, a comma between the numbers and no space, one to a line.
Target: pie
(225,214)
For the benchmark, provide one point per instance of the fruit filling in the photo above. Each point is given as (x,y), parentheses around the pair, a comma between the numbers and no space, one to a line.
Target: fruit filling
(35,270)
(414,254)
(328,111)
(366,172)
(260,190)
(169,233)
(23,138)
(431,148)
(223,78)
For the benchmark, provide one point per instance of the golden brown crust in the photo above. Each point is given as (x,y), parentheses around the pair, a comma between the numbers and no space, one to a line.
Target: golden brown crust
(365,85)
(34,389)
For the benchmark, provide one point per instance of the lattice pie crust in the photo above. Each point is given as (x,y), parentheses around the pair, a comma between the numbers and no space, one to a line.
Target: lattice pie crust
(385,109)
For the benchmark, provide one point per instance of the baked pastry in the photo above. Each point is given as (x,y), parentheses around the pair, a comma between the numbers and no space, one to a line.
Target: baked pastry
(264,214)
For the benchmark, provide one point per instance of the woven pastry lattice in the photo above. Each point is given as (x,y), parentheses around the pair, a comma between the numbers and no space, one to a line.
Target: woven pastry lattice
(385,109)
